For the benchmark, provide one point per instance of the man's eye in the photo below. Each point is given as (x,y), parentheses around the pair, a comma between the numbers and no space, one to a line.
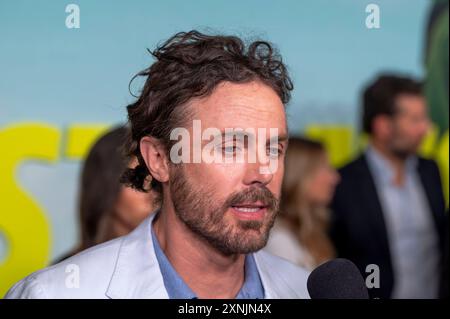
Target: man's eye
(274,151)
(230,149)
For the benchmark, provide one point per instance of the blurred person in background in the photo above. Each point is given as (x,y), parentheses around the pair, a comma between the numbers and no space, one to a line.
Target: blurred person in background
(389,208)
(108,209)
(300,233)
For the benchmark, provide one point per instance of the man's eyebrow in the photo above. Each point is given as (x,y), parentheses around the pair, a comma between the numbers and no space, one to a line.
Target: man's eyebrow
(227,134)
(242,133)
(280,138)
(233,133)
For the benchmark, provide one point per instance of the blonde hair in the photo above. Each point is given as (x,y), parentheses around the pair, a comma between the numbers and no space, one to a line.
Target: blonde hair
(308,222)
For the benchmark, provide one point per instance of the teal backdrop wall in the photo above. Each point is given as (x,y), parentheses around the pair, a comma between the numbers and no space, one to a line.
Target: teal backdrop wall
(61,87)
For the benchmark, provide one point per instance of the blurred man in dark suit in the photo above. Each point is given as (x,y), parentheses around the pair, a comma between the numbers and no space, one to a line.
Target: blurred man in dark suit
(389,208)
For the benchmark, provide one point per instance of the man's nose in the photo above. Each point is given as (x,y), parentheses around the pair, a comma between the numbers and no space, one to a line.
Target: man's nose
(255,174)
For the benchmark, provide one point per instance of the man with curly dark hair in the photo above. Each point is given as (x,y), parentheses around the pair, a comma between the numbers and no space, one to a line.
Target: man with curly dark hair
(217,210)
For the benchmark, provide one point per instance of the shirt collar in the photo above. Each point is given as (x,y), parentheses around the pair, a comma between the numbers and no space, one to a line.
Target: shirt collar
(383,169)
(252,287)
(178,289)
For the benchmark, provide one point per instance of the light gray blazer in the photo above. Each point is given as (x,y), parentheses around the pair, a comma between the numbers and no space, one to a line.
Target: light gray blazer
(127,267)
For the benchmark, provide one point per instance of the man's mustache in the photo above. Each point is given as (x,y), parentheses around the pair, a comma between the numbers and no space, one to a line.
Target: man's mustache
(252,195)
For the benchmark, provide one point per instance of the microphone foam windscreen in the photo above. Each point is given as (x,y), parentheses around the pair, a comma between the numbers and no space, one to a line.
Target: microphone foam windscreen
(337,279)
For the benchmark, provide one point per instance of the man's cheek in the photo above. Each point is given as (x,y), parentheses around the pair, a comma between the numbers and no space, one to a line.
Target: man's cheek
(277,181)
(220,181)
(229,174)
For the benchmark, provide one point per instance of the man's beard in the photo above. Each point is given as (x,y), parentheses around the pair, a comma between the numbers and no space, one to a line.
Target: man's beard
(400,148)
(197,208)
(402,152)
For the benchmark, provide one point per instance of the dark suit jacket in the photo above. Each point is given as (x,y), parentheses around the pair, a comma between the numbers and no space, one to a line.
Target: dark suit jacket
(358,228)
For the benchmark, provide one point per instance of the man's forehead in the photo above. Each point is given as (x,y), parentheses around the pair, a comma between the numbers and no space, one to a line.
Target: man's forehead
(408,100)
(239,125)
(245,106)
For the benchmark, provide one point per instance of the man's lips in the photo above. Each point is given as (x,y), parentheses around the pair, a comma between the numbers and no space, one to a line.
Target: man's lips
(256,204)
(250,211)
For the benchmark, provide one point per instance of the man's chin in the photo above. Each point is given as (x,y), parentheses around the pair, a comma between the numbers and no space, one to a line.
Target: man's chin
(404,154)
(245,237)
(249,245)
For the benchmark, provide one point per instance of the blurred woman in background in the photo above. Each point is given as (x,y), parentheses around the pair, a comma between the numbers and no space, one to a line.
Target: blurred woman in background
(300,232)
(107,208)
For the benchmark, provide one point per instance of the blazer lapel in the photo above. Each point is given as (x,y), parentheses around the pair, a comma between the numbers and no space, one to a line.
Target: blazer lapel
(371,200)
(275,287)
(137,273)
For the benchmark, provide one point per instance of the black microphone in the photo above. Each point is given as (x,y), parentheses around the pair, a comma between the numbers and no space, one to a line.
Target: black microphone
(337,279)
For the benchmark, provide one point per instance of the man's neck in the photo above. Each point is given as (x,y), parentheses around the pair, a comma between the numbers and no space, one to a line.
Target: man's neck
(397,163)
(205,270)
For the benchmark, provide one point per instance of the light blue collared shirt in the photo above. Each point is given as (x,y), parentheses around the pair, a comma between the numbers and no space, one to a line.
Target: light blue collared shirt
(412,238)
(178,289)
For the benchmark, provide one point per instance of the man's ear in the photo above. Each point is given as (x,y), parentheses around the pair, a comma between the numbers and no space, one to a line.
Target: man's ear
(154,154)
